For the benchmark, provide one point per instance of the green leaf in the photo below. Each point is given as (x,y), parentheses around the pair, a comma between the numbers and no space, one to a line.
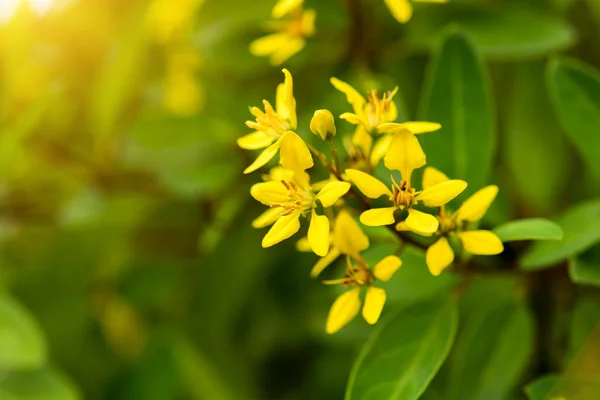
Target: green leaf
(457,95)
(575,90)
(505,33)
(540,388)
(492,348)
(404,352)
(581,227)
(585,318)
(46,384)
(585,268)
(529,229)
(22,343)
(535,150)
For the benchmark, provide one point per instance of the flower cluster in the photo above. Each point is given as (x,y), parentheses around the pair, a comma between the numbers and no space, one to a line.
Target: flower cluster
(351,187)
(291,26)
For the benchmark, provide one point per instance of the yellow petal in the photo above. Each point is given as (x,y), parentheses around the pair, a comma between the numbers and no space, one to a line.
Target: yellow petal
(264,157)
(367,184)
(267,45)
(476,206)
(400,9)
(385,269)
(362,140)
(380,148)
(352,95)
(441,193)
(267,218)
(378,216)
(289,102)
(481,242)
(294,154)
(283,228)
(416,127)
(348,238)
(255,140)
(439,255)
(404,154)
(307,24)
(343,310)
(303,245)
(318,234)
(332,193)
(324,262)
(284,7)
(374,302)
(292,46)
(432,176)
(270,193)
(354,119)
(322,124)
(402,227)
(418,221)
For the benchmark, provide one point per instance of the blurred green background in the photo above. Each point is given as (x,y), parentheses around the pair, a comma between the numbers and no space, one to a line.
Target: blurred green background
(128,266)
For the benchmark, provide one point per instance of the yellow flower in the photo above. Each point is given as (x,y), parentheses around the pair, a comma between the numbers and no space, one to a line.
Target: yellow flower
(402,9)
(271,125)
(375,115)
(181,92)
(322,124)
(290,33)
(347,305)
(439,255)
(347,238)
(405,155)
(293,198)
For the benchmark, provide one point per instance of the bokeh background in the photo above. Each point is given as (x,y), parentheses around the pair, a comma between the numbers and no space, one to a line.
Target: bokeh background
(128,265)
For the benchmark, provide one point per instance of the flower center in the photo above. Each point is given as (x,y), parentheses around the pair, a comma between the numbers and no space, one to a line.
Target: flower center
(378,109)
(404,195)
(358,275)
(268,121)
(299,199)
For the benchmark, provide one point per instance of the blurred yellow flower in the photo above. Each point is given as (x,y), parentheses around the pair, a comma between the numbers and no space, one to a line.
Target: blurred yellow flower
(292,27)
(293,198)
(483,242)
(359,275)
(168,20)
(270,125)
(405,155)
(402,9)
(181,92)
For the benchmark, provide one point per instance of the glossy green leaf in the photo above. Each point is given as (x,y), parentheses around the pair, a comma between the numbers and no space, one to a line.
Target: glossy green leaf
(22,343)
(541,387)
(404,352)
(575,90)
(581,227)
(491,350)
(47,384)
(531,162)
(457,95)
(501,32)
(529,229)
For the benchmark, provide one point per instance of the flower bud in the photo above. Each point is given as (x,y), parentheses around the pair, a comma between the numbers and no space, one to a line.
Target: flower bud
(323,124)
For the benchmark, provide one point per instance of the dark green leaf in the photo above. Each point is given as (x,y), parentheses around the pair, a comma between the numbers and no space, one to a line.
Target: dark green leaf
(586,316)
(529,229)
(492,349)
(575,90)
(540,388)
(581,227)
(404,352)
(22,343)
(585,268)
(457,95)
(507,32)
(46,384)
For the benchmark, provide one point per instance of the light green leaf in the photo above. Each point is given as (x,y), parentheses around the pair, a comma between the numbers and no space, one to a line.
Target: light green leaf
(581,227)
(46,384)
(540,388)
(404,352)
(504,32)
(491,351)
(532,162)
(457,95)
(575,90)
(22,343)
(529,229)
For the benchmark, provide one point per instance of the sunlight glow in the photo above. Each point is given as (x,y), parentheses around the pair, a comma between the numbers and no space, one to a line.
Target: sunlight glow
(9,7)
